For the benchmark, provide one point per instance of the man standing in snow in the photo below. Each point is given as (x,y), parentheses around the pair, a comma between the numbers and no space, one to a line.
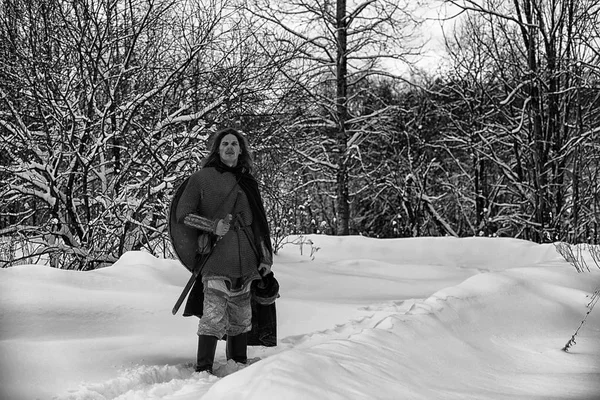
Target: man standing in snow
(222,203)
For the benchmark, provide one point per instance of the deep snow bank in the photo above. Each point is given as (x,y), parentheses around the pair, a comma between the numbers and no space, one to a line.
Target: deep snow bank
(421,318)
(494,336)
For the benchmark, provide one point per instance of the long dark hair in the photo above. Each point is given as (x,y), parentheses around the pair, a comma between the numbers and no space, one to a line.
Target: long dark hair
(213,158)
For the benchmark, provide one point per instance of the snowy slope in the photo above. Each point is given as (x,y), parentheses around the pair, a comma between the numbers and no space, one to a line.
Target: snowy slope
(423,318)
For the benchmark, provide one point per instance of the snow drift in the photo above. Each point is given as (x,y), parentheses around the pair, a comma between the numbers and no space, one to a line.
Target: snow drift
(423,318)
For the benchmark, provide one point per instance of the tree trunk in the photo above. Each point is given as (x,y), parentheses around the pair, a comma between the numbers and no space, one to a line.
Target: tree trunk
(343,209)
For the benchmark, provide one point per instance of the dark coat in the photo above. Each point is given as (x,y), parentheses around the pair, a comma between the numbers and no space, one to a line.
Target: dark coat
(214,192)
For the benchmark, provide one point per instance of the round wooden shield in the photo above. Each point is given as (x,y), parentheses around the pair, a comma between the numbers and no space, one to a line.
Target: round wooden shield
(183,238)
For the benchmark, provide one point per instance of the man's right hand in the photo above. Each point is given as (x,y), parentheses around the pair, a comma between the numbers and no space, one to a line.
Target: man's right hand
(223,226)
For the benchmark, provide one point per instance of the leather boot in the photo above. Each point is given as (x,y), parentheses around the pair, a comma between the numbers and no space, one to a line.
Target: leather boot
(236,349)
(207,346)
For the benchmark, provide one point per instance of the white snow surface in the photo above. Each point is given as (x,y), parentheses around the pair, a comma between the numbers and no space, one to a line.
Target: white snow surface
(419,318)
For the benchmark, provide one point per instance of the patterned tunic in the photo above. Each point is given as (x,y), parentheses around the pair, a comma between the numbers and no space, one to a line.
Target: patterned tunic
(213,194)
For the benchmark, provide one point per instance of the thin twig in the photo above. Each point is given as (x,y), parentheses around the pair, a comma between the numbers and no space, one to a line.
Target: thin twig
(590,306)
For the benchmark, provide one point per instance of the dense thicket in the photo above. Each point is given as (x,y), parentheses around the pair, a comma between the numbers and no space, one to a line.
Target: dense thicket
(106,105)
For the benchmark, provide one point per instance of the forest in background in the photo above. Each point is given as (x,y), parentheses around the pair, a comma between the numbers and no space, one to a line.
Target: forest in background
(106,105)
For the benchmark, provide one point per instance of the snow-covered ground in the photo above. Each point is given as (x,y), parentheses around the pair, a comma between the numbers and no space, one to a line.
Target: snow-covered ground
(423,318)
